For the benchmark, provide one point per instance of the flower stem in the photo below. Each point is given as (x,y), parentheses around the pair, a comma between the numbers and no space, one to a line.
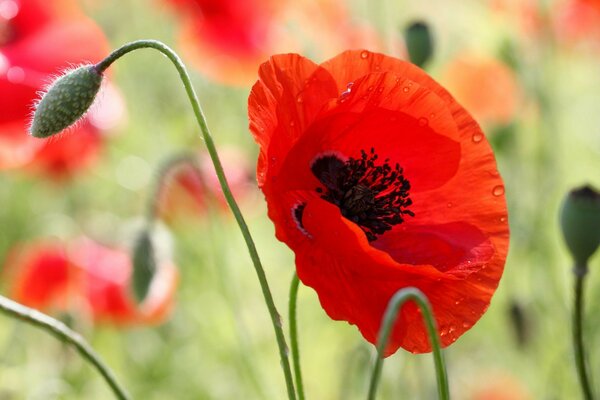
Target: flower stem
(389,319)
(210,146)
(62,332)
(580,273)
(294,336)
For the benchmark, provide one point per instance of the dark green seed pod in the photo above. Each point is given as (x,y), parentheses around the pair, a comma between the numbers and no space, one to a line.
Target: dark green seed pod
(144,265)
(580,223)
(419,43)
(66,100)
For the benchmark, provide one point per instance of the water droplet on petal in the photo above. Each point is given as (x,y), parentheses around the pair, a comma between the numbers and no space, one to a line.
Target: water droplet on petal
(423,121)
(292,123)
(299,99)
(498,190)
(465,325)
(477,137)
(405,89)
(364,54)
(449,205)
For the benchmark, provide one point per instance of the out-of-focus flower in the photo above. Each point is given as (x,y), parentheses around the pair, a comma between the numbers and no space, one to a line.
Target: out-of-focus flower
(499,387)
(42,276)
(107,285)
(228,39)
(522,14)
(577,20)
(189,189)
(89,279)
(378,180)
(485,86)
(39,39)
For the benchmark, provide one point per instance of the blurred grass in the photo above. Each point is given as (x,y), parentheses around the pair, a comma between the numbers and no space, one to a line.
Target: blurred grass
(219,343)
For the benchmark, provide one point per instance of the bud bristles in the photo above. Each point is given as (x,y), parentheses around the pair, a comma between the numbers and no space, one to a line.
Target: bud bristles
(65,101)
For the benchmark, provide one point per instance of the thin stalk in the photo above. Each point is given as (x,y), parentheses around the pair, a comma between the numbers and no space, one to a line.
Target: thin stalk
(66,335)
(389,318)
(210,146)
(580,362)
(294,336)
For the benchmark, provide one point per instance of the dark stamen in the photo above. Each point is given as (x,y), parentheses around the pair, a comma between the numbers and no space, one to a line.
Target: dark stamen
(375,197)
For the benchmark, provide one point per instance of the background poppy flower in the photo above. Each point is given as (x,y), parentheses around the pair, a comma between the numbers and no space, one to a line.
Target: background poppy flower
(228,39)
(189,191)
(42,276)
(88,278)
(577,20)
(39,39)
(484,86)
(378,179)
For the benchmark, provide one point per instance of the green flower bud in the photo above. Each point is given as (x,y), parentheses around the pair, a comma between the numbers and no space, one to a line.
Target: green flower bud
(419,43)
(580,223)
(144,265)
(65,101)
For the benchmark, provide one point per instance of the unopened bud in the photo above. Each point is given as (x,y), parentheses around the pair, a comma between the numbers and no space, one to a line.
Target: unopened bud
(66,100)
(144,265)
(580,223)
(419,43)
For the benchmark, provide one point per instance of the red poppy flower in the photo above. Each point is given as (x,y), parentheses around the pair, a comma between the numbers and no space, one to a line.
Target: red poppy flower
(228,39)
(485,86)
(42,276)
(89,279)
(378,179)
(190,190)
(577,20)
(107,281)
(38,39)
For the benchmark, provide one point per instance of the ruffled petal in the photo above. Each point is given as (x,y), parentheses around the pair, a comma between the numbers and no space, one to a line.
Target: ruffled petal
(287,97)
(355,281)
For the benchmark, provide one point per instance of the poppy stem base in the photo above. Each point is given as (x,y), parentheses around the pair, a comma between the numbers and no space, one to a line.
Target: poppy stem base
(294,336)
(580,272)
(389,318)
(63,333)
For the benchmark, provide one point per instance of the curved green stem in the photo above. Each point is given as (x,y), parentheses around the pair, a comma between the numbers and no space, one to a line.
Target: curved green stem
(294,336)
(389,318)
(210,146)
(580,362)
(62,332)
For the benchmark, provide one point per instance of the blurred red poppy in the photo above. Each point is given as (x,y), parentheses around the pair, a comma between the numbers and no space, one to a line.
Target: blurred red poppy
(107,281)
(228,39)
(485,86)
(87,278)
(38,39)
(378,180)
(41,276)
(577,20)
(189,190)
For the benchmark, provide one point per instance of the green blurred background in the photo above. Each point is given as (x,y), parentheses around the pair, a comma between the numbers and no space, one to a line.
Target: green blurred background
(219,343)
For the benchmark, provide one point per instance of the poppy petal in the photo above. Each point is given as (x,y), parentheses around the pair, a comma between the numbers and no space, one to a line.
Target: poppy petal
(361,232)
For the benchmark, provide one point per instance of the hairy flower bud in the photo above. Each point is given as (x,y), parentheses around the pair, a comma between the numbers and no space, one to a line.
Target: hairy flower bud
(65,101)
(580,223)
(144,265)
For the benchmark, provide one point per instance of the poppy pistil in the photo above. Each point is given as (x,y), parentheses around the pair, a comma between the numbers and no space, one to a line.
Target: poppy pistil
(375,197)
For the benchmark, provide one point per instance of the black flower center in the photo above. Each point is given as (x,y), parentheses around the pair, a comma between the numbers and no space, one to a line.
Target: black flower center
(373,195)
